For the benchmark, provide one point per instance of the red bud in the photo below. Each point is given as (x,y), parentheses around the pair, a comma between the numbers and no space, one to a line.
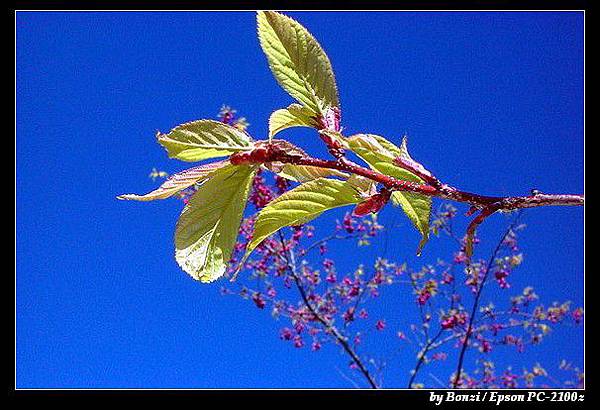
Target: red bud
(259,155)
(372,204)
(239,158)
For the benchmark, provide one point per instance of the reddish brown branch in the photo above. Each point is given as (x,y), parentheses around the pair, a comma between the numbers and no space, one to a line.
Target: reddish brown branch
(478,220)
(442,191)
(417,169)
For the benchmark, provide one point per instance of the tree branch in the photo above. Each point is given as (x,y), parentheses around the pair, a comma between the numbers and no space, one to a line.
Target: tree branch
(422,355)
(328,326)
(442,191)
(476,301)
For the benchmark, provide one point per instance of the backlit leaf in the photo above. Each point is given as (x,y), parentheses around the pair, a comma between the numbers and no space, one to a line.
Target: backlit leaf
(208,226)
(294,172)
(203,139)
(364,186)
(379,154)
(293,116)
(418,209)
(178,182)
(301,205)
(297,61)
(305,173)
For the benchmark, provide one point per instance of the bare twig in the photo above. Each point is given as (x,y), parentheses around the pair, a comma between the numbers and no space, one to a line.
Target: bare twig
(422,356)
(477,298)
(330,328)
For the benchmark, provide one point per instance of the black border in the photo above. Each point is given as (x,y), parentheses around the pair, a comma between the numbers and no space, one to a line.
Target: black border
(303,5)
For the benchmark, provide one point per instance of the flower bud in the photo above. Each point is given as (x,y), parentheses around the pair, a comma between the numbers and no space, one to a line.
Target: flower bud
(372,204)
(240,158)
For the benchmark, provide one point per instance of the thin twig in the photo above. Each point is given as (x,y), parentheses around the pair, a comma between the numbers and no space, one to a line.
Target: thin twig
(328,326)
(422,354)
(478,297)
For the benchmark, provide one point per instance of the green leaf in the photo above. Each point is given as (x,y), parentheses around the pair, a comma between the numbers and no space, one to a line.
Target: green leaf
(364,186)
(379,154)
(178,182)
(208,226)
(283,146)
(297,61)
(418,209)
(293,116)
(305,173)
(294,172)
(299,206)
(203,139)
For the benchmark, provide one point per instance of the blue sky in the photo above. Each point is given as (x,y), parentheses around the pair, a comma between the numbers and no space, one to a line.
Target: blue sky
(491,102)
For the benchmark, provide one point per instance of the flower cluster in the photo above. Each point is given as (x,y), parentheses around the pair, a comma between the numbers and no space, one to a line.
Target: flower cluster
(485,376)
(227,116)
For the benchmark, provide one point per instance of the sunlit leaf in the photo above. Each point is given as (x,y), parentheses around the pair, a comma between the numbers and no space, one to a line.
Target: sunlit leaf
(364,186)
(294,172)
(297,61)
(418,209)
(379,153)
(203,139)
(208,226)
(301,205)
(305,173)
(283,146)
(293,116)
(178,182)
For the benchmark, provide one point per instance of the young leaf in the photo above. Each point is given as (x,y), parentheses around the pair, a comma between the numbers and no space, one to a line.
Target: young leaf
(178,182)
(299,206)
(373,204)
(293,172)
(334,138)
(297,61)
(305,173)
(208,226)
(405,161)
(379,153)
(203,139)
(293,116)
(364,186)
(418,209)
(283,146)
